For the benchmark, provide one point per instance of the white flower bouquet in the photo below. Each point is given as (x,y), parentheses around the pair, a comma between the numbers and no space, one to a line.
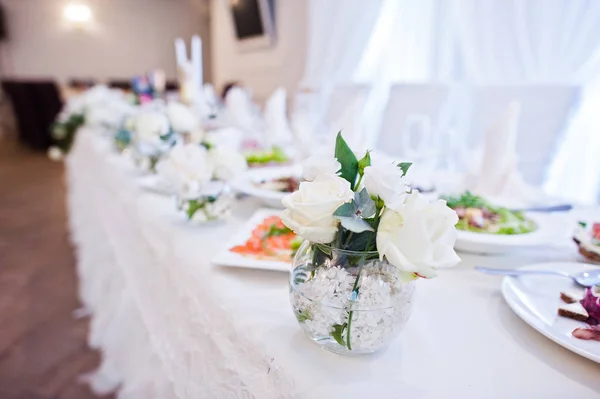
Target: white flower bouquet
(99,107)
(197,175)
(368,237)
(156,128)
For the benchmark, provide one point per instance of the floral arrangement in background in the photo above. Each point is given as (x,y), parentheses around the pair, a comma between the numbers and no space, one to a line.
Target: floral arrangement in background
(197,174)
(369,236)
(98,107)
(155,129)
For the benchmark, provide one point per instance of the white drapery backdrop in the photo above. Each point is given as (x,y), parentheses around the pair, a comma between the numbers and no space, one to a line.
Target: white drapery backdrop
(502,42)
(550,42)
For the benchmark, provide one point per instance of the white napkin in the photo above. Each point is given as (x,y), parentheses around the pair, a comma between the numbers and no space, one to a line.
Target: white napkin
(277,129)
(241,114)
(497,176)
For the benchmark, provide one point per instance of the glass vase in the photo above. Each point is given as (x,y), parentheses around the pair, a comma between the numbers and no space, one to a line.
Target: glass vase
(348,302)
(206,208)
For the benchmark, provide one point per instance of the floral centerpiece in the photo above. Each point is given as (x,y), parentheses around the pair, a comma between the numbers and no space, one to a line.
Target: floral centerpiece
(156,128)
(197,175)
(368,238)
(99,107)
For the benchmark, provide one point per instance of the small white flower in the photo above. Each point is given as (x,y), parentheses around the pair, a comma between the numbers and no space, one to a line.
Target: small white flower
(149,127)
(55,154)
(318,165)
(182,118)
(187,169)
(386,182)
(59,132)
(418,236)
(309,211)
(227,163)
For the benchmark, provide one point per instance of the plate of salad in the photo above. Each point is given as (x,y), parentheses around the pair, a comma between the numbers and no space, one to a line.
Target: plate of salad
(269,185)
(266,157)
(264,242)
(484,227)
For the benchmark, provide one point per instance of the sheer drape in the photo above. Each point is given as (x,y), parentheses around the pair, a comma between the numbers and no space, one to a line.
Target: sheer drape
(503,42)
(541,41)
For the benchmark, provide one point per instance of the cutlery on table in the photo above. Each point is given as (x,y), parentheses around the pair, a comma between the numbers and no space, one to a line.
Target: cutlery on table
(584,279)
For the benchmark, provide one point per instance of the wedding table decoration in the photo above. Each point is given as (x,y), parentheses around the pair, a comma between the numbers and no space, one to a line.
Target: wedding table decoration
(368,238)
(98,107)
(198,175)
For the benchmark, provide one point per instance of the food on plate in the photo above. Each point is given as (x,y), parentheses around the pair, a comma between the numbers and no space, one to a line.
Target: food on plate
(477,215)
(281,184)
(270,240)
(573,310)
(588,240)
(264,157)
(571,297)
(586,309)
(591,333)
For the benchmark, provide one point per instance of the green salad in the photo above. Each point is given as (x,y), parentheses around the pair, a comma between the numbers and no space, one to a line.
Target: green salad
(274,154)
(477,215)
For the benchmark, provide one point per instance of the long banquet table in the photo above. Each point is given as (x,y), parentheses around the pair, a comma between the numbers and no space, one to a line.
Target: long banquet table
(170,324)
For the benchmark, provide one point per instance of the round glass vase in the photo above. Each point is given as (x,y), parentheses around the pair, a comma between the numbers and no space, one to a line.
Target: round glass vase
(348,302)
(206,208)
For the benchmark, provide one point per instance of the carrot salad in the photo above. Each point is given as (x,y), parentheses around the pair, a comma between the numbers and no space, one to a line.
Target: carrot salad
(270,240)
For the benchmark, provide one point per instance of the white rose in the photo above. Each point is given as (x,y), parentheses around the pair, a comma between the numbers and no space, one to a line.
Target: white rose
(227,163)
(386,182)
(186,168)
(309,211)
(182,118)
(55,154)
(149,127)
(418,237)
(317,165)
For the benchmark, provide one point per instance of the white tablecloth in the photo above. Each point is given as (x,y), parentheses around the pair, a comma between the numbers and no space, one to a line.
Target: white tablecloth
(170,324)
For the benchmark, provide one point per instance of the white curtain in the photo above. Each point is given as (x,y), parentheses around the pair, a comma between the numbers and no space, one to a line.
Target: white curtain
(410,44)
(541,41)
(474,42)
(338,33)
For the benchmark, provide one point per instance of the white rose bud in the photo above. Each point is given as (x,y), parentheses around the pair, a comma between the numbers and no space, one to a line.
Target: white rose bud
(418,237)
(186,168)
(309,211)
(182,118)
(227,163)
(386,182)
(55,154)
(318,165)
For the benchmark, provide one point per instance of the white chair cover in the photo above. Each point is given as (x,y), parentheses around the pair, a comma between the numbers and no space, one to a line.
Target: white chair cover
(405,102)
(545,111)
(277,128)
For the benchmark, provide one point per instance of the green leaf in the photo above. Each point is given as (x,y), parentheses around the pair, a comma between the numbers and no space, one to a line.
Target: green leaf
(582,224)
(354,224)
(193,207)
(303,315)
(338,331)
(206,145)
(364,162)
(347,159)
(345,210)
(404,166)
(364,204)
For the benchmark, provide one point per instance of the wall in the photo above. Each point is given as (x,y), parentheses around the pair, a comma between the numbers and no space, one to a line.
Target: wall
(266,69)
(127,37)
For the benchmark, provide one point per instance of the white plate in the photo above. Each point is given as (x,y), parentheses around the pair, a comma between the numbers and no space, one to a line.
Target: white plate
(551,229)
(536,299)
(155,184)
(245,183)
(232,259)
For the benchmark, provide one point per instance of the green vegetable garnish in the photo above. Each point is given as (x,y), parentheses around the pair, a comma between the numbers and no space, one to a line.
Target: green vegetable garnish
(504,221)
